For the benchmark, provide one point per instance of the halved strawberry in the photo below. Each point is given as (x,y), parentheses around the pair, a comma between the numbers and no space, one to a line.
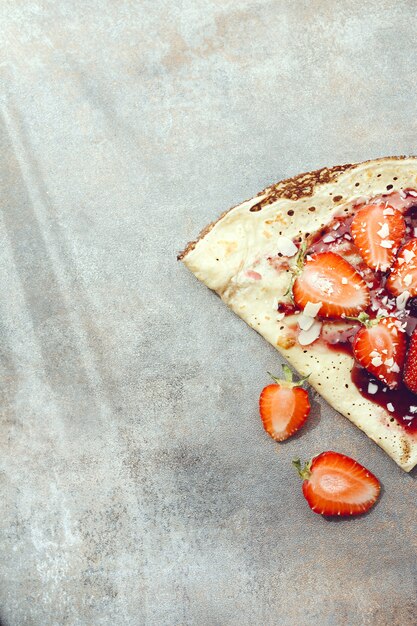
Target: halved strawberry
(380,347)
(329,279)
(378,231)
(335,484)
(403,276)
(410,369)
(284,406)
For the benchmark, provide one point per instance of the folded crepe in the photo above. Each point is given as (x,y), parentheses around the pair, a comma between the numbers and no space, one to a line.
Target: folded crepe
(236,256)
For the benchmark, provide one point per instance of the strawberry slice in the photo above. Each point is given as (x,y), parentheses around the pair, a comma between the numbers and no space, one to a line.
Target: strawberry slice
(283,406)
(380,347)
(329,279)
(335,484)
(410,369)
(403,276)
(378,231)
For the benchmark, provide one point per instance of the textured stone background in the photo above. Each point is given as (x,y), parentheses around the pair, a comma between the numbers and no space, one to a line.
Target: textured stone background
(138,487)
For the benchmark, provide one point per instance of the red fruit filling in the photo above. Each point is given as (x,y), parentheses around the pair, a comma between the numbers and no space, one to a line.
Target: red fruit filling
(386,288)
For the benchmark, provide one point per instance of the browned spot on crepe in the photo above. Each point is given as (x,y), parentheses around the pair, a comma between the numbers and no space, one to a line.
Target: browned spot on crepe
(405,450)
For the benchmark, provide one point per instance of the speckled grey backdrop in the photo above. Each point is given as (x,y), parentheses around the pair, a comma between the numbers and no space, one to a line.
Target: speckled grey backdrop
(138,487)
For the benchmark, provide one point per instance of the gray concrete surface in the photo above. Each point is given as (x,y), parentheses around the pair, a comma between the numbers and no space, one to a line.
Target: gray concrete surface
(138,487)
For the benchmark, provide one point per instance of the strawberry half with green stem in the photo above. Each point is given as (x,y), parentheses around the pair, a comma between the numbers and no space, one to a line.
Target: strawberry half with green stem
(284,406)
(378,231)
(327,278)
(380,346)
(410,368)
(403,275)
(335,484)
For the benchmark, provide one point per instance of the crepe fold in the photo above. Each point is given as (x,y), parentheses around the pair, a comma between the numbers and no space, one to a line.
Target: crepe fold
(233,251)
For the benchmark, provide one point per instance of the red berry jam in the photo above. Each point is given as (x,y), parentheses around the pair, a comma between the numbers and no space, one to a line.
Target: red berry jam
(401,403)
(335,237)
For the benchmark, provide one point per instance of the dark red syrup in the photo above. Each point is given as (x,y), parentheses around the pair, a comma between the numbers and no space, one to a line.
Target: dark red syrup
(339,231)
(401,399)
(287,307)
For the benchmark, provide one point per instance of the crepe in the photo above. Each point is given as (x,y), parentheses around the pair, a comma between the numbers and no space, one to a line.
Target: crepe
(231,251)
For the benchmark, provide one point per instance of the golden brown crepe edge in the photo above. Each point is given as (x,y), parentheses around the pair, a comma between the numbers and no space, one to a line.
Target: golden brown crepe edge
(300,186)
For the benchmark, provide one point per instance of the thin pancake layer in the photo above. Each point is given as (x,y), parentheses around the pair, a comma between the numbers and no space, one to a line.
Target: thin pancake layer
(242,243)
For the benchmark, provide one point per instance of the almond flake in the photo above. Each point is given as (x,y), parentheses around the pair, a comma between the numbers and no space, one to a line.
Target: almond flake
(400,260)
(312,308)
(408,255)
(389,210)
(412,193)
(286,246)
(376,361)
(413,409)
(389,361)
(382,313)
(386,243)
(390,407)
(305,322)
(395,368)
(328,239)
(280,316)
(347,236)
(306,337)
(344,280)
(372,388)
(383,231)
(336,226)
(407,280)
(401,300)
